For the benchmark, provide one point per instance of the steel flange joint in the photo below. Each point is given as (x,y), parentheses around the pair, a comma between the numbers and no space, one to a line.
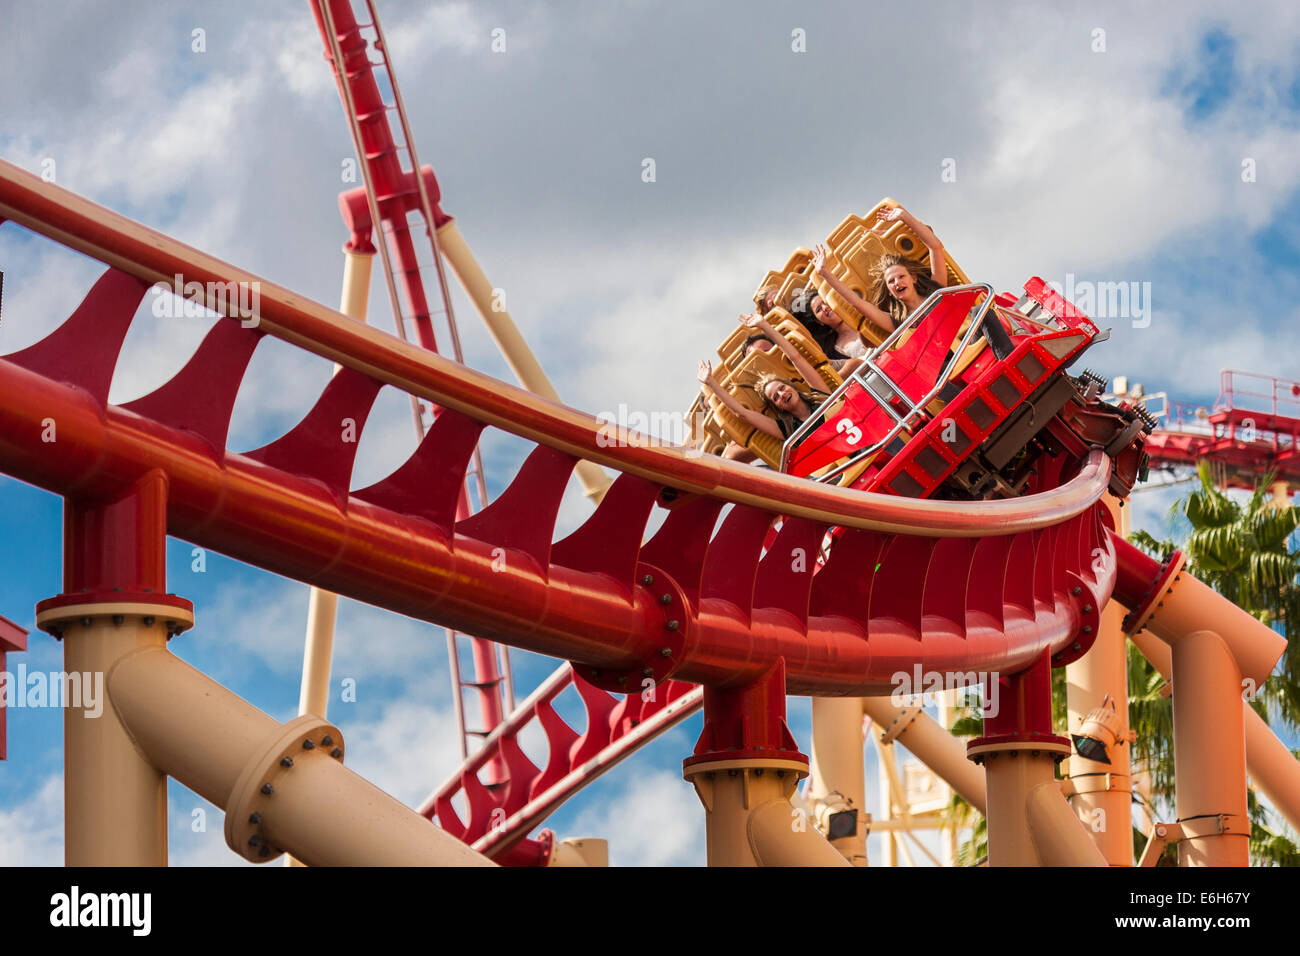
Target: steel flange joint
(662,652)
(253,799)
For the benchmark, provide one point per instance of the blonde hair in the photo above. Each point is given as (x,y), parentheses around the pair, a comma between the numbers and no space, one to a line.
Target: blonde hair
(763,293)
(767,378)
(884,299)
(788,422)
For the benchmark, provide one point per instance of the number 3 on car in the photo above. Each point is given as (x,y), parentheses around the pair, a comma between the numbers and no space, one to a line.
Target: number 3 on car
(852,433)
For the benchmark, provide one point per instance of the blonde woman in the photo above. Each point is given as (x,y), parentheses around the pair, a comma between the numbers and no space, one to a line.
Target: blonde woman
(901,283)
(791,404)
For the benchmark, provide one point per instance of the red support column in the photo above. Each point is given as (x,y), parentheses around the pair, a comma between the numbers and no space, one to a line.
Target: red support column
(1019,706)
(12,638)
(119,544)
(747,721)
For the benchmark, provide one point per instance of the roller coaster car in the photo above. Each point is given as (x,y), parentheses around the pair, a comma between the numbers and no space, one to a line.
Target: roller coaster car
(921,418)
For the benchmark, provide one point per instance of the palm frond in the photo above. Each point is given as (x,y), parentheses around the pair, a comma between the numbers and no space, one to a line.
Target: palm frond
(1152,545)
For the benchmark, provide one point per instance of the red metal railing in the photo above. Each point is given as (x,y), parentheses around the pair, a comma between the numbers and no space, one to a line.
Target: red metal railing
(614,729)
(13,639)
(1252,431)
(1250,391)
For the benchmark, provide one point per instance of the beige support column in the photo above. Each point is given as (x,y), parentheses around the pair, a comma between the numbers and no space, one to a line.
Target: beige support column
(748,817)
(838,782)
(318,652)
(354,299)
(1209,753)
(889,842)
(1273,771)
(1030,823)
(506,334)
(1058,838)
(114,799)
(1012,775)
(1142,788)
(322,609)
(900,811)
(948,833)
(1102,792)
(283,786)
(1228,654)
(322,606)
(930,743)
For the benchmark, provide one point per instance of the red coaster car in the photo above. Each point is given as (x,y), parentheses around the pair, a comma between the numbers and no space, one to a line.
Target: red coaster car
(963,400)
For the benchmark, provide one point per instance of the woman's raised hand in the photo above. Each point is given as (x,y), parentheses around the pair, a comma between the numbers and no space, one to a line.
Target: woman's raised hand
(705,372)
(819,257)
(884,216)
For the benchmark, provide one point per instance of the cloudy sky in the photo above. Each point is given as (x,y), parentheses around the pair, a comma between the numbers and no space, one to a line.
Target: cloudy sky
(1083,143)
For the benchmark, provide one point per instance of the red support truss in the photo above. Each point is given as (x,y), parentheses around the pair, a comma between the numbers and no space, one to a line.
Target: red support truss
(1252,430)
(12,638)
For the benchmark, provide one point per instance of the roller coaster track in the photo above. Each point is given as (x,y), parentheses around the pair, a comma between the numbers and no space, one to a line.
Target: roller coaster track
(951,586)
(392,196)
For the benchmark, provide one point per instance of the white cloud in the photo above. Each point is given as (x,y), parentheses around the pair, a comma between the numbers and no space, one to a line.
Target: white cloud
(262,622)
(298,61)
(31,833)
(654,820)
(457,27)
(410,749)
(1149,509)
